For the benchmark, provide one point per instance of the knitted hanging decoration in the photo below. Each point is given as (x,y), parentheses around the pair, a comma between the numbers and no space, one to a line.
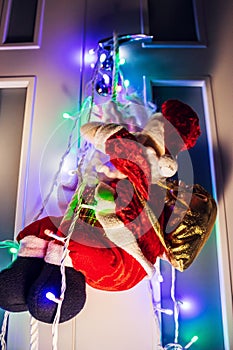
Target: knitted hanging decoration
(118,225)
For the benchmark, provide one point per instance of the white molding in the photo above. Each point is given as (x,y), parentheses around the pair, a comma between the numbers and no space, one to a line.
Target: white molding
(15,334)
(221,225)
(29,83)
(217,184)
(37,29)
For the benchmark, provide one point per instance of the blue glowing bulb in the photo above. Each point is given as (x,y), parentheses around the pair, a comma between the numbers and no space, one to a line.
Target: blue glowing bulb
(103,57)
(50,296)
(186,305)
(104,86)
(106,78)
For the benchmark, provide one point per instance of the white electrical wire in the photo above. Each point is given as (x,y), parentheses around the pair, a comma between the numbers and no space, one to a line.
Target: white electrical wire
(34,333)
(62,269)
(3,330)
(156,310)
(176,305)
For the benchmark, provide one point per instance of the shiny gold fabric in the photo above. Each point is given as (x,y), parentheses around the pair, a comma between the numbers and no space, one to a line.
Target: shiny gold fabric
(190,216)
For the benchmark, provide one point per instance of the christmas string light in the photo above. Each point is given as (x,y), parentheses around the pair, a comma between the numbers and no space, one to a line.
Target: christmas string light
(152,291)
(115,72)
(85,105)
(34,334)
(124,39)
(68,116)
(13,248)
(55,178)
(173,346)
(122,61)
(76,200)
(109,61)
(3,330)
(78,194)
(176,306)
(164,311)
(157,311)
(192,341)
(51,297)
(53,235)
(126,83)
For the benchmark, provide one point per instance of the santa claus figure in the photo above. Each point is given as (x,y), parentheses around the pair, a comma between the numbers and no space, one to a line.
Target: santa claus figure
(115,228)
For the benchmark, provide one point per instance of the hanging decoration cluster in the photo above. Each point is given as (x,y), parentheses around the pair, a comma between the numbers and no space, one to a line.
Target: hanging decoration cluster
(126,211)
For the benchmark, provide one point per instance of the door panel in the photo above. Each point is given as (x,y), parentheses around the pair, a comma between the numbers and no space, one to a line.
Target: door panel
(199,284)
(63,78)
(12,107)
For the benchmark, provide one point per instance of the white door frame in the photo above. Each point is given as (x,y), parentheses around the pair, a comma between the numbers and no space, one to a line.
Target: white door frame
(222,238)
(30,84)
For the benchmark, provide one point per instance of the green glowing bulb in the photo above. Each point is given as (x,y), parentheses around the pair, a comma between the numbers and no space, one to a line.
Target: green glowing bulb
(122,61)
(194,339)
(66,115)
(13,250)
(126,83)
(106,195)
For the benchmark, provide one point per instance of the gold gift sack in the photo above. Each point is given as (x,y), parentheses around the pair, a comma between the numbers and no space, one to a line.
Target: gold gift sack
(186,223)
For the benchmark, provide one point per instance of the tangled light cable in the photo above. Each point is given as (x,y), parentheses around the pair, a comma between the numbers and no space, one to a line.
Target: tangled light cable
(3,330)
(176,309)
(34,334)
(13,247)
(59,301)
(175,306)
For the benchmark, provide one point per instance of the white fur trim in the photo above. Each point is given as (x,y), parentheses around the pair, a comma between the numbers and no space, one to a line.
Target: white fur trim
(103,133)
(88,130)
(112,172)
(54,255)
(119,234)
(154,164)
(167,166)
(32,246)
(155,130)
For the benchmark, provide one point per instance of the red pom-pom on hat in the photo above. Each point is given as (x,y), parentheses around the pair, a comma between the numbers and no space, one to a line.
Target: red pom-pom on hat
(185,120)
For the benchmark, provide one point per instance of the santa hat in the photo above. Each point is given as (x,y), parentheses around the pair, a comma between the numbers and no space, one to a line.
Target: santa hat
(182,119)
